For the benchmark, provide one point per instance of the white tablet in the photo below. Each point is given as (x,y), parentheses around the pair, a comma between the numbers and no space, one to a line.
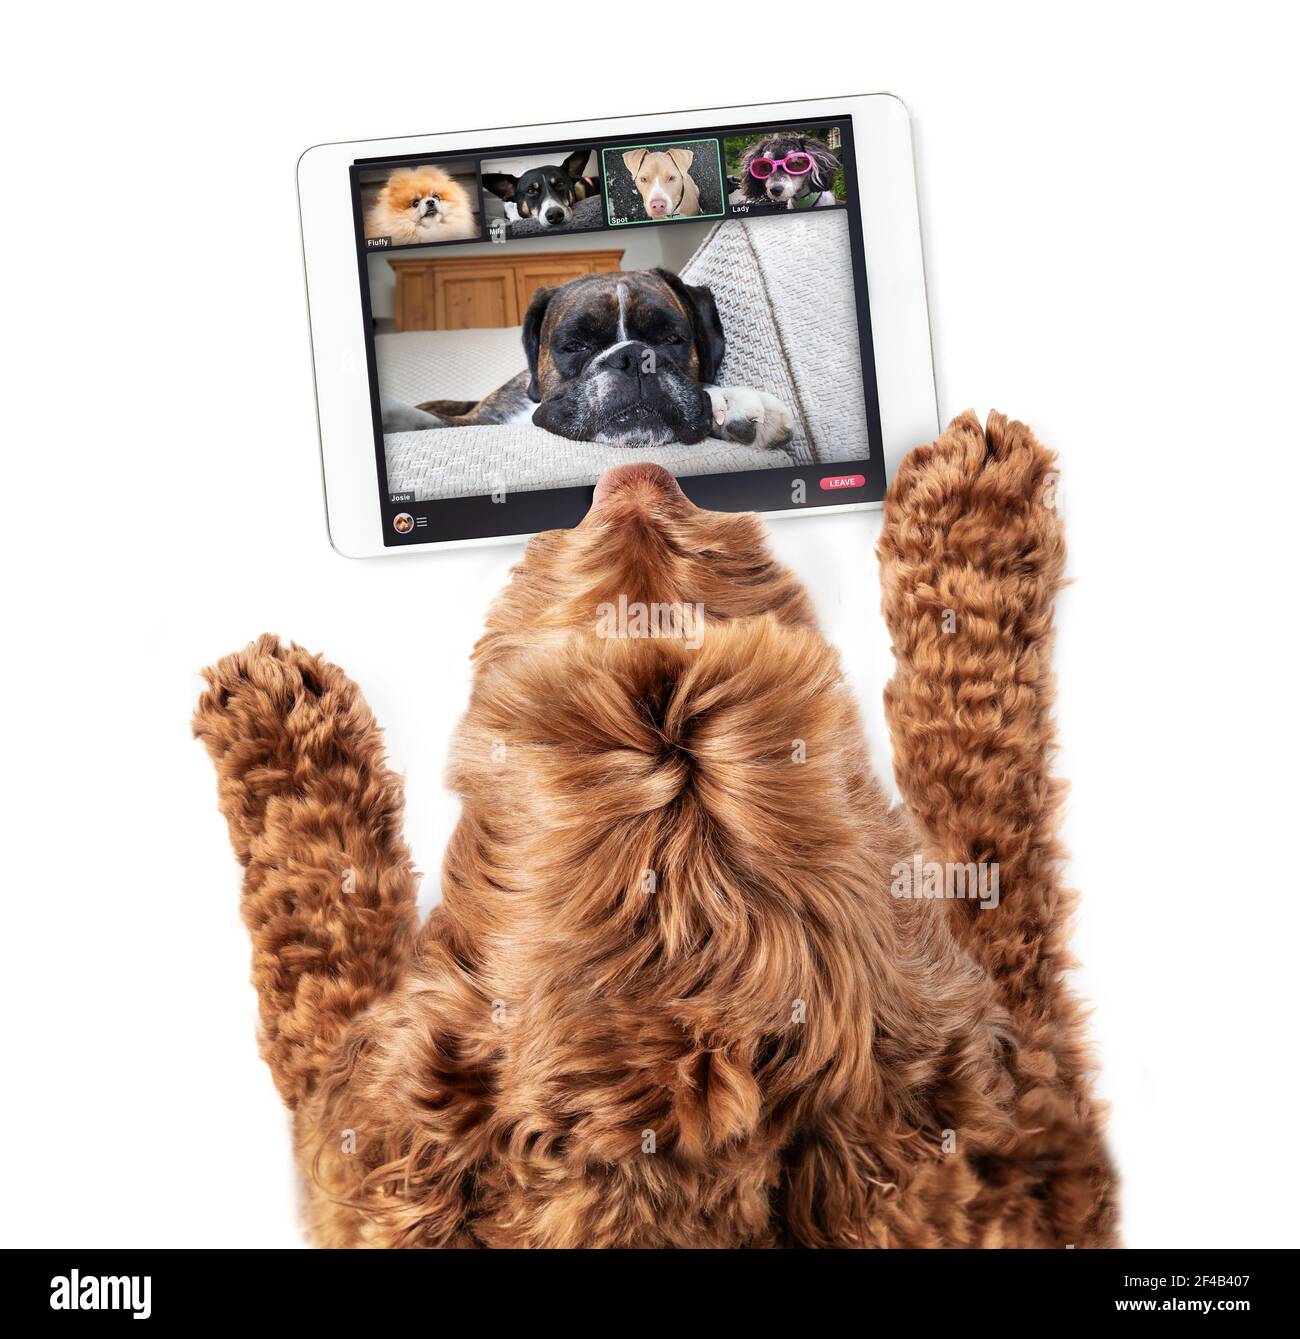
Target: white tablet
(498,316)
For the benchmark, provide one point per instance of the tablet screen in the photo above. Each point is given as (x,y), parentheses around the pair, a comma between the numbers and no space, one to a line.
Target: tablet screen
(536,313)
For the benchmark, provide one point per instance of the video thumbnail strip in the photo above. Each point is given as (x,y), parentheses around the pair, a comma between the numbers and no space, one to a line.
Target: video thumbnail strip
(503,196)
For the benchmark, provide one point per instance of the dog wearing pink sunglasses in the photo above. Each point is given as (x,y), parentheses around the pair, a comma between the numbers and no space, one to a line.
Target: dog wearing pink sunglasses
(792,171)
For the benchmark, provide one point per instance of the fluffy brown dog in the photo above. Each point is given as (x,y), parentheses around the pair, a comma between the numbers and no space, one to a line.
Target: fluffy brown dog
(422,204)
(671,996)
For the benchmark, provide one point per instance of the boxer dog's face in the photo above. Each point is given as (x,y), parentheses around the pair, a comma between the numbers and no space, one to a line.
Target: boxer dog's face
(622,358)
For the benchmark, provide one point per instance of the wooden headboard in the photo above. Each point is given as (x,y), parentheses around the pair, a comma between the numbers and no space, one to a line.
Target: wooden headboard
(482,292)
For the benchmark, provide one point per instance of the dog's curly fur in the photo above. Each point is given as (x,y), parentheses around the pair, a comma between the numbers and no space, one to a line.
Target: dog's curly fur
(759,1045)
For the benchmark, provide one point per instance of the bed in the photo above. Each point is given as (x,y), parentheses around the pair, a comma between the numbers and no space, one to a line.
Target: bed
(785,296)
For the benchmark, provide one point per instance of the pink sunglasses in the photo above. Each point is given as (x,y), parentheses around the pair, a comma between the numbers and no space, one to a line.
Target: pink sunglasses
(796,164)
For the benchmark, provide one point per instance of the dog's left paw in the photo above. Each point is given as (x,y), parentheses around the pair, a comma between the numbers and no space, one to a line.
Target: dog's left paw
(742,414)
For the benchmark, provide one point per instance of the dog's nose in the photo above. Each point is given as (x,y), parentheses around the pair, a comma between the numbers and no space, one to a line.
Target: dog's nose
(776,188)
(642,479)
(554,215)
(634,359)
(623,359)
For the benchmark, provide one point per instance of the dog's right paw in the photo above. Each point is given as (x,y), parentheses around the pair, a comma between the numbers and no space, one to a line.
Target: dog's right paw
(742,414)
(399,417)
(982,496)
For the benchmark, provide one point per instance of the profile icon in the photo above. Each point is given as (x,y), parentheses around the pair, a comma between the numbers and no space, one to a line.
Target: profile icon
(403,522)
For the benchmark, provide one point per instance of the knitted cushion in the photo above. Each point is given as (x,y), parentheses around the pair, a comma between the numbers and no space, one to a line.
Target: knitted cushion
(784,289)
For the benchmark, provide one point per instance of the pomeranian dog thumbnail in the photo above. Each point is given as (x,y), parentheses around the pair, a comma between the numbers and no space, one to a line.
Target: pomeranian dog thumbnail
(422,204)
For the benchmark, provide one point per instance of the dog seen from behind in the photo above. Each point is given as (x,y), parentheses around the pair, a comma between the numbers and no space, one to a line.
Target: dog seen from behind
(680,989)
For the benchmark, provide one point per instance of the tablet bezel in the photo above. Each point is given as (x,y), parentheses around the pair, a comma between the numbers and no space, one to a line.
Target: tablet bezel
(895,281)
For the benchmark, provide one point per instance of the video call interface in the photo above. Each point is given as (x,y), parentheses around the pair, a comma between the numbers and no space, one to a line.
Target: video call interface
(537,314)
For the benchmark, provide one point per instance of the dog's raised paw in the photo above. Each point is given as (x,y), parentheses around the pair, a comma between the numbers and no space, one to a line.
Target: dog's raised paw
(274,717)
(742,414)
(266,677)
(270,703)
(979,500)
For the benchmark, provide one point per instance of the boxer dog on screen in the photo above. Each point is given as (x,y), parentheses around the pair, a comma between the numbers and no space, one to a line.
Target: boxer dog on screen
(625,359)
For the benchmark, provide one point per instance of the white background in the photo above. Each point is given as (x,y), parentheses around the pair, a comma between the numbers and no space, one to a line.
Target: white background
(1109,205)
